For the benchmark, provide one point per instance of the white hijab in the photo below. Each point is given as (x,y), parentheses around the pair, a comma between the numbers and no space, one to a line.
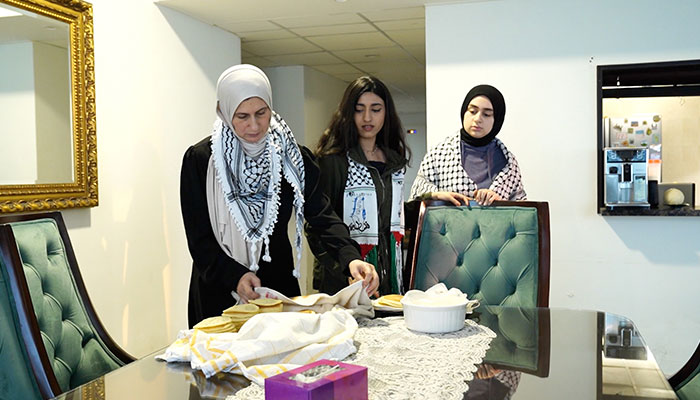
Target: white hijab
(244,178)
(235,85)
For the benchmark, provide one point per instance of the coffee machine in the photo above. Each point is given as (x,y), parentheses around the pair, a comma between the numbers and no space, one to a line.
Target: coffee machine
(626,180)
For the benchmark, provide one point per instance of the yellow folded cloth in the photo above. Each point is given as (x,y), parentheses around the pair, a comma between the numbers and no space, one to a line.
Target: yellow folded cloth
(267,344)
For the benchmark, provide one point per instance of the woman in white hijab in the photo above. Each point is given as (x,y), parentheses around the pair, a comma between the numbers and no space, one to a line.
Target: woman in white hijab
(238,190)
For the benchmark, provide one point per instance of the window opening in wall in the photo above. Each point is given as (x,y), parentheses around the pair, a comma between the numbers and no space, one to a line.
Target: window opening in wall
(648,138)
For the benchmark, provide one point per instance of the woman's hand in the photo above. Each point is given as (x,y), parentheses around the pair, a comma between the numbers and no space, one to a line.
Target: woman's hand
(246,287)
(364,271)
(486,196)
(457,199)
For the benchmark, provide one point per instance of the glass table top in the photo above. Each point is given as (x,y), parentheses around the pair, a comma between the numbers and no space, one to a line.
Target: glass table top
(539,353)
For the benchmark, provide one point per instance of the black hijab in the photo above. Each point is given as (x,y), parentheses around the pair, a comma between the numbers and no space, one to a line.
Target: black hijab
(499,113)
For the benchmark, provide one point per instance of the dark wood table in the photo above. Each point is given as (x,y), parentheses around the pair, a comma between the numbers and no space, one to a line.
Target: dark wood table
(539,353)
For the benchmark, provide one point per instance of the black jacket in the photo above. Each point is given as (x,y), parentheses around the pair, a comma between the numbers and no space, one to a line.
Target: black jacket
(214,274)
(328,274)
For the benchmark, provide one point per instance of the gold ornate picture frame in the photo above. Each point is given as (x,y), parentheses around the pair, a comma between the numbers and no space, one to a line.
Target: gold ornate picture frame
(82,191)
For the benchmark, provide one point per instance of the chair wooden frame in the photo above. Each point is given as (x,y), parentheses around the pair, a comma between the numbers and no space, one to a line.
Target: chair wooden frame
(687,370)
(36,352)
(543,242)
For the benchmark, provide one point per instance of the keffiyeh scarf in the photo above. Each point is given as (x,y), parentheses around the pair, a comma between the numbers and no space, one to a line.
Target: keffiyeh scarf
(441,170)
(361,215)
(251,186)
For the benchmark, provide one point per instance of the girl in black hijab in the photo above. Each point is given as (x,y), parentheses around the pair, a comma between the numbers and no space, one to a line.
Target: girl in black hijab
(473,163)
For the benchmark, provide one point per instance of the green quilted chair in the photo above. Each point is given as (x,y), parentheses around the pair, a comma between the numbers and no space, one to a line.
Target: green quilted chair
(686,382)
(498,254)
(51,339)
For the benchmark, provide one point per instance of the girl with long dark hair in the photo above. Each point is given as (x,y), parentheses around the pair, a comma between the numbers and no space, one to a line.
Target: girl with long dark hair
(363,157)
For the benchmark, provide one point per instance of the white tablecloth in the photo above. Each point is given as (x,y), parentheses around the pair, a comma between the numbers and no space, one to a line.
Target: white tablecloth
(403,364)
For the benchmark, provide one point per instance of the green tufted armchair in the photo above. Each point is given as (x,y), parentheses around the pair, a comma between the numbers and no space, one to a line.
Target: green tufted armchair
(52,340)
(498,254)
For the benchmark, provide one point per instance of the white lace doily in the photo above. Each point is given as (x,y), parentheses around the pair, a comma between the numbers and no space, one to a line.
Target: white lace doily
(403,364)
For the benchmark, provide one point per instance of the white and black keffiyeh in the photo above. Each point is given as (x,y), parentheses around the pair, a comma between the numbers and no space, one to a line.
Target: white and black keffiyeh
(441,170)
(251,185)
(361,214)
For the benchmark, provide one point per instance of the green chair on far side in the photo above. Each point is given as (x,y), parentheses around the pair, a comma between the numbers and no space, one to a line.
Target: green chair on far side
(686,382)
(498,254)
(51,339)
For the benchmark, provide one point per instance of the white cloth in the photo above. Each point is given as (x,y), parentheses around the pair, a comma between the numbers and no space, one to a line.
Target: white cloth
(353,298)
(438,294)
(271,343)
(267,344)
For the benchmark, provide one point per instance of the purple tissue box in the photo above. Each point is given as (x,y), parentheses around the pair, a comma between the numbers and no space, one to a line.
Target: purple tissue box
(320,380)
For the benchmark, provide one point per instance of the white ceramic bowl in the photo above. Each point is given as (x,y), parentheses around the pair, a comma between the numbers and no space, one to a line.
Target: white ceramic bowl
(434,318)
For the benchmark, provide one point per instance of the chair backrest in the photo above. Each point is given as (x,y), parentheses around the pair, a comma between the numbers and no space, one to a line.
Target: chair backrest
(16,377)
(498,254)
(686,382)
(65,343)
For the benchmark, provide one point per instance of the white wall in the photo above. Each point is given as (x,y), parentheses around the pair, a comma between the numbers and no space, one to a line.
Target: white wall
(288,96)
(17,113)
(417,142)
(305,98)
(322,94)
(542,54)
(155,96)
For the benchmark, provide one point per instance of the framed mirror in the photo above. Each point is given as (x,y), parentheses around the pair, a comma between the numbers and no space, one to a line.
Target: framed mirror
(48,146)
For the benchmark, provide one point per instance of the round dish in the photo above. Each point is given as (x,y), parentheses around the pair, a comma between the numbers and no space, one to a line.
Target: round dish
(433,318)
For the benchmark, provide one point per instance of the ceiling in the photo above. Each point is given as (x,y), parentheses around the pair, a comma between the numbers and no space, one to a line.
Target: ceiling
(344,39)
